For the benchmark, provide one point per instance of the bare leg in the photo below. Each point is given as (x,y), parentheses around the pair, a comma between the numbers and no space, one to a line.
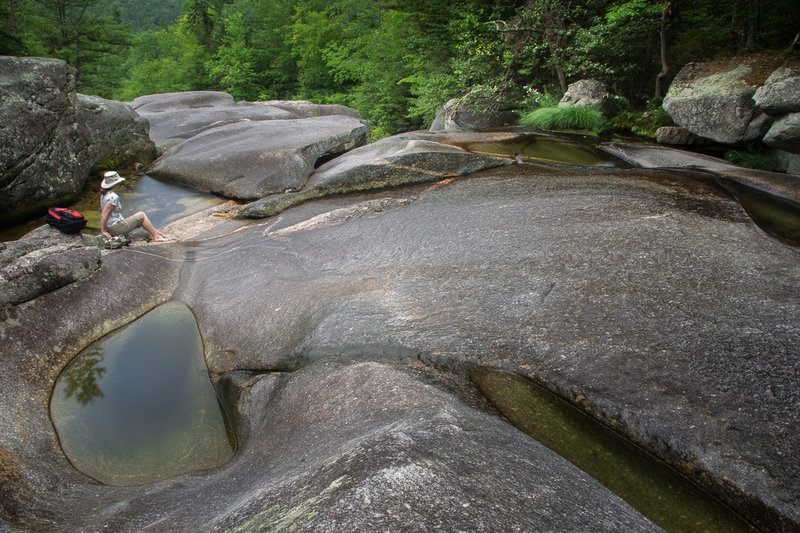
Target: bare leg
(157,235)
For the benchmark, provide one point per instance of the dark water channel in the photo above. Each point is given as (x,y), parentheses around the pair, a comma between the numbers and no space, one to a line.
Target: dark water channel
(776,216)
(138,405)
(163,202)
(542,148)
(649,485)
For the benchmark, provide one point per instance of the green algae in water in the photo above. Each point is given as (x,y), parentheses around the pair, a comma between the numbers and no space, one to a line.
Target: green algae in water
(545,149)
(647,484)
(138,406)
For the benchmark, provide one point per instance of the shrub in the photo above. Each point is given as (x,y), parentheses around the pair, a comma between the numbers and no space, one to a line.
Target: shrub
(755,157)
(571,117)
(642,123)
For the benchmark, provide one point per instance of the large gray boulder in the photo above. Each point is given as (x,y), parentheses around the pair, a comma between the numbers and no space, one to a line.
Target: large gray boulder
(781,92)
(44,142)
(590,93)
(175,117)
(785,133)
(717,106)
(475,111)
(253,159)
(306,109)
(404,159)
(120,137)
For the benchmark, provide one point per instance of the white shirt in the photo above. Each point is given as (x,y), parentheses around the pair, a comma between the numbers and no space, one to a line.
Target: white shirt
(116,214)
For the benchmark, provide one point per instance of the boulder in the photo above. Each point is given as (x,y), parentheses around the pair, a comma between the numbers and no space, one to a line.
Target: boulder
(175,117)
(253,159)
(677,136)
(591,93)
(120,137)
(790,161)
(717,106)
(781,92)
(404,159)
(785,133)
(474,111)
(154,103)
(306,109)
(43,260)
(44,142)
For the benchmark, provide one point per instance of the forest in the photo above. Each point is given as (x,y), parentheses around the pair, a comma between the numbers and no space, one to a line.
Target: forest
(394,61)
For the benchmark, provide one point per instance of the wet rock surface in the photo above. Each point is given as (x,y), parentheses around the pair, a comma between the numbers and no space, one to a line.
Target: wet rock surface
(648,298)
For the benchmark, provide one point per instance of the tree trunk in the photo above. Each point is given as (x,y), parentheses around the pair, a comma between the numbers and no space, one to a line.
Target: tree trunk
(553,35)
(664,64)
(753,16)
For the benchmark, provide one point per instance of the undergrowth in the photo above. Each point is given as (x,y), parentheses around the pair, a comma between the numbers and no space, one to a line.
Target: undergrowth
(571,117)
(755,157)
(642,123)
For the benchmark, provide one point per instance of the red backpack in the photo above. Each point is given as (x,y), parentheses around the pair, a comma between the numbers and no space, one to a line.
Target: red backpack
(65,220)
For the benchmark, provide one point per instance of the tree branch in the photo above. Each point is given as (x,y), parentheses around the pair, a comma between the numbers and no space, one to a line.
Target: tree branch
(502,26)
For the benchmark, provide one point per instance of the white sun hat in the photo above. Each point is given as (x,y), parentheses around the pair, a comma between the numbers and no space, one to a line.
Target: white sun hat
(110,179)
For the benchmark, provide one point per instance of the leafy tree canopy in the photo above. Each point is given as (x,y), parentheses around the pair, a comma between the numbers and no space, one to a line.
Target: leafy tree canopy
(395,61)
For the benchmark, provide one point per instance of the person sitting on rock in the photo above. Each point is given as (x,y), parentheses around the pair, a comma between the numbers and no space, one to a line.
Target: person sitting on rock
(112,223)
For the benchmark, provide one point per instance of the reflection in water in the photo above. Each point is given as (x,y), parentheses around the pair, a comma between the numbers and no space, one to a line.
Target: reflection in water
(776,216)
(649,485)
(163,202)
(547,149)
(138,406)
(82,376)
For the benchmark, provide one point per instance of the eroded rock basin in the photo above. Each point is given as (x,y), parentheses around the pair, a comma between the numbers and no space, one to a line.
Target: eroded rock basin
(138,406)
(655,305)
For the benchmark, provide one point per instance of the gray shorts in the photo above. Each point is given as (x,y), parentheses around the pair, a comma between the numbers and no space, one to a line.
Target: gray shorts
(127,225)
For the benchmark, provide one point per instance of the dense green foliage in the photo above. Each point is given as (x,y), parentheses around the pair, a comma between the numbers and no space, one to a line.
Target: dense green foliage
(393,61)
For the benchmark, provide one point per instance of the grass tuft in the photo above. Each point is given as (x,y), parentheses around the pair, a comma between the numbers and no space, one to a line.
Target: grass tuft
(571,117)
(755,157)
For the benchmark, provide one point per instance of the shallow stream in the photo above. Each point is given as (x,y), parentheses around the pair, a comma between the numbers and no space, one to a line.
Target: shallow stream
(162,202)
